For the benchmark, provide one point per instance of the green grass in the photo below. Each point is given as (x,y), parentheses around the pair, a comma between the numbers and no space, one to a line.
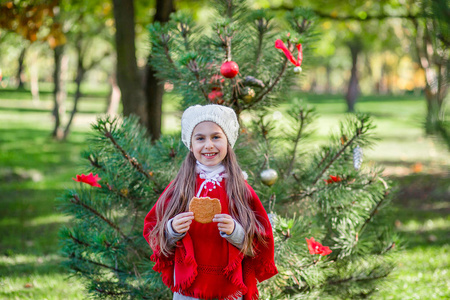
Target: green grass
(35,169)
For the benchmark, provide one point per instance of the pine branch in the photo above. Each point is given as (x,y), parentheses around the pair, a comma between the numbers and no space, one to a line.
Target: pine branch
(375,210)
(133,161)
(137,250)
(193,67)
(110,293)
(95,163)
(324,158)
(226,41)
(307,194)
(164,38)
(262,29)
(351,278)
(336,156)
(79,242)
(76,200)
(184,30)
(100,264)
(296,141)
(270,88)
(289,289)
(264,132)
(136,212)
(124,195)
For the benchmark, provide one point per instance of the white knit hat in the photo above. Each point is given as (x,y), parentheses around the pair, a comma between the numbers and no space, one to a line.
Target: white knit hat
(223,116)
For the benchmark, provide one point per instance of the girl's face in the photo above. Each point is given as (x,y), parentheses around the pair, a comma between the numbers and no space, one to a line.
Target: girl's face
(209,143)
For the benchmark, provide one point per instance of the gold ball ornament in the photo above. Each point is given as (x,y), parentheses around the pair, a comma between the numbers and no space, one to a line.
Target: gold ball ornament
(269,177)
(248,94)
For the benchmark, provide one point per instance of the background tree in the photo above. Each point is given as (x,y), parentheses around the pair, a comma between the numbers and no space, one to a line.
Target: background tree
(327,195)
(357,26)
(431,36)
(27,18)
(128,79)
(154,88)
(88,29)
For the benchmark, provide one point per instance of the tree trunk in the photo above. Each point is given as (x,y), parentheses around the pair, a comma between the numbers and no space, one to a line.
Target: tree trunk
(80,74)
(20,69)
(34,83)
(154,89)
(353,85)
(436,76)
(128,78)
(328,86)
(114,96)
(59,92)
(154,92)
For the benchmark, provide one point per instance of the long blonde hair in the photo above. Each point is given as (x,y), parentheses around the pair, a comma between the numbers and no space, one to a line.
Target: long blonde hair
(175,200)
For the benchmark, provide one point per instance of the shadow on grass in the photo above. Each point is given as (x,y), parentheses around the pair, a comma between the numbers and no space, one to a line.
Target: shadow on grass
(44,110)
(422,206)
(30,222)
(30,263)
(18,136)
(38,266)
(36,149)
(336,98)
(25,94)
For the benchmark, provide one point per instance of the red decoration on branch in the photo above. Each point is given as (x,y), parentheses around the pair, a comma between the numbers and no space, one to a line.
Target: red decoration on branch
(215,96)
(216,81)
(89,179)
(317,248)
(229,69)
(333,179)
(297,62)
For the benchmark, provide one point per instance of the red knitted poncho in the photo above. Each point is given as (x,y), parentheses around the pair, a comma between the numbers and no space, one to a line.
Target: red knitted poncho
(207,266)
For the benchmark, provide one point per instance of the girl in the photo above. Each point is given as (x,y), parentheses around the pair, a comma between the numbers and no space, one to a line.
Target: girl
(226,258)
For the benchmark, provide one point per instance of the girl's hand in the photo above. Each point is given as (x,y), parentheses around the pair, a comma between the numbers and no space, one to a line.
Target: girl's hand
(225,223)
(182,222)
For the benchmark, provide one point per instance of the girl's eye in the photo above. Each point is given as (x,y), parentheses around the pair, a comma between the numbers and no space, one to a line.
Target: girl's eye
(199,139)
(216,137)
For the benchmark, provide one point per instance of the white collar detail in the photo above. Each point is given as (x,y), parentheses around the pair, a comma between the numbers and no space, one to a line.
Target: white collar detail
(213,174)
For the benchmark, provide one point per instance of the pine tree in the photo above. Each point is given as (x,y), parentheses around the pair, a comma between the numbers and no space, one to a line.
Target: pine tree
(324,192)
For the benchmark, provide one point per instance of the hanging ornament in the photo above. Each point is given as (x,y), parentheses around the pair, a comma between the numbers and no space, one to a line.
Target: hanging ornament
(297,70)
(247,94)
(216,82)
(296,62)
(215,96)
(357,157)
(333,179)
(269,177)
(250,80)
(272,217)
(229,69)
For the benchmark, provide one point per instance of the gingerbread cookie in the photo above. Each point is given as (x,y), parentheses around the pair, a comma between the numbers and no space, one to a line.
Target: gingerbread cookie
(204,209)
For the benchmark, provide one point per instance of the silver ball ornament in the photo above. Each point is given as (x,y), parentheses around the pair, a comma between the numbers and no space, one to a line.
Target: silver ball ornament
(269,177)
(297,70)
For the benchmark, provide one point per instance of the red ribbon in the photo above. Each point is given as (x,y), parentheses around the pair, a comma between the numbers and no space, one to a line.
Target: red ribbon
(280,45)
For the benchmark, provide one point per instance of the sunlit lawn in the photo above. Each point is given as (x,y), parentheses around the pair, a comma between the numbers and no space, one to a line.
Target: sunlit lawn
(34,170)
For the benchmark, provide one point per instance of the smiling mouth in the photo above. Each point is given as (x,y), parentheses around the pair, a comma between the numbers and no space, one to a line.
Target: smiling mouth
(209,154)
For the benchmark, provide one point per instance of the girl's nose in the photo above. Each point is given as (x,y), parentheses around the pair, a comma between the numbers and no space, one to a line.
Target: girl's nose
(209,144)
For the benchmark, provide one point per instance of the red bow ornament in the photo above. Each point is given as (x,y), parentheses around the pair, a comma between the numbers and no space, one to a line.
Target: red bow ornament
(333,179)
(88,179)
(317,248)
(296,62)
